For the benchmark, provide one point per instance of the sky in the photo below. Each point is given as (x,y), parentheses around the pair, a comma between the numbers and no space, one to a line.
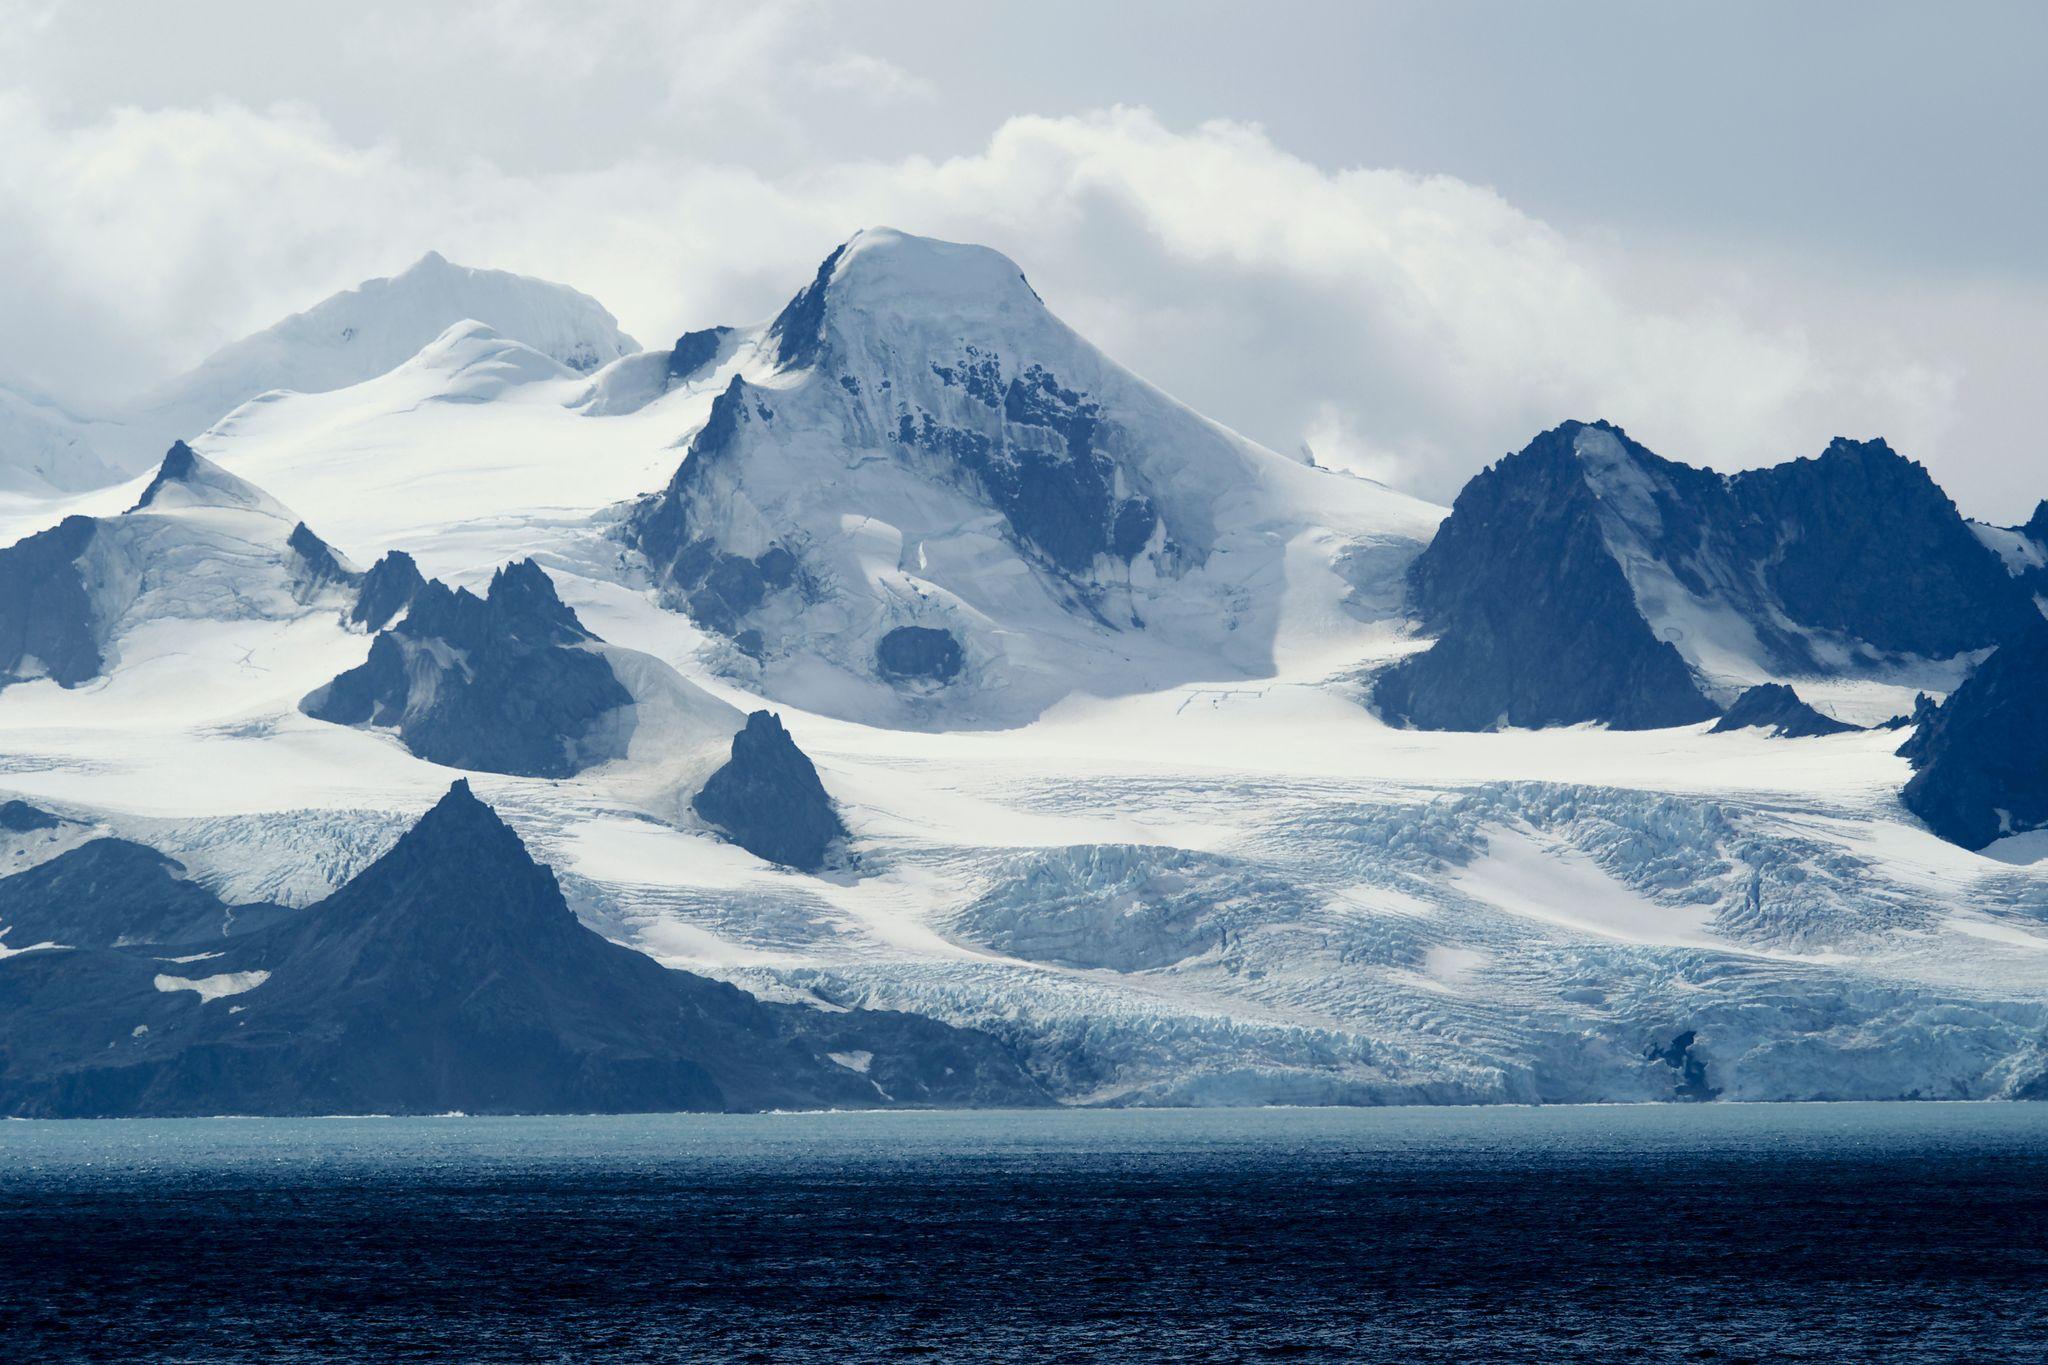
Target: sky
(1407,236)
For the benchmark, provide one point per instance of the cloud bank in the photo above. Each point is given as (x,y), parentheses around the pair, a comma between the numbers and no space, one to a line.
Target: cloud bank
(1409,327)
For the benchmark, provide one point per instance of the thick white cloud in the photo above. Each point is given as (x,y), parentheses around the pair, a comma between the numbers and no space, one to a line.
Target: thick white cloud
(1410,326)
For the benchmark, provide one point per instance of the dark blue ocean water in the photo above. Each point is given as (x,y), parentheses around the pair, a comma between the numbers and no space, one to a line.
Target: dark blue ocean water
(1798,1232)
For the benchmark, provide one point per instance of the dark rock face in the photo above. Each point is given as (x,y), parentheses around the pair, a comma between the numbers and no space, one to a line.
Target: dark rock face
(180,463)
(799,329)
(1059,497)
(1536,623)
(19,817)
(1862,542)
(717,588)
(499,683)
(109,892)
(314,565)
(921,652)
(1777,708)
(450,974)
(769,800)
(1856,552)
(386,590)
(47,625)
(695,350)
(1692,1072)
(1981,757)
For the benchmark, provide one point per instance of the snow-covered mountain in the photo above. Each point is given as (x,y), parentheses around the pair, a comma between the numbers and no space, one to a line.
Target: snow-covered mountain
(927,501)
(1587,579)
(343,340)
(966,675)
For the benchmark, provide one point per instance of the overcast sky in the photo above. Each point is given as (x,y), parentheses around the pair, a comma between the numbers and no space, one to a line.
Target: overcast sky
(1409,235)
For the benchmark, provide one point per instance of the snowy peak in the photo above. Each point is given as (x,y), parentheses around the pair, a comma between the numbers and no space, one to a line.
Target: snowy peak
(370,330)
(937,466)
(881,270)
(187,480)
(473,362)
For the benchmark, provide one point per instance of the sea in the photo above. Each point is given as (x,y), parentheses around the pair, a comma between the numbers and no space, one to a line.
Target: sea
(1709,1232)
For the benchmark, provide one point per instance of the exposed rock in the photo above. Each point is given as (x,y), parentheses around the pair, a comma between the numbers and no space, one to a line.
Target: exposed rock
(1585,578)
(450,975)
(1981,757)
(111,892)
(921,652)
(502,683)
(1536,622)
(19,817)
(694,351)
(48,627)
(386,590)
(1777,708)
(769,800)
(315,565)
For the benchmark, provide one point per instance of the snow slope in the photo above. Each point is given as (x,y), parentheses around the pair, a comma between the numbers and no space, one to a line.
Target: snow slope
(343,340)
(924,447)
(1171,864)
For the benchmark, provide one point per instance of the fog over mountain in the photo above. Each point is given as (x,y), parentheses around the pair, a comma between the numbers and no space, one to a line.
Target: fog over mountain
(1408,263)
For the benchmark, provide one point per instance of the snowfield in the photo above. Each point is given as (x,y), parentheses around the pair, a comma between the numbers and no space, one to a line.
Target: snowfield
(1174,864)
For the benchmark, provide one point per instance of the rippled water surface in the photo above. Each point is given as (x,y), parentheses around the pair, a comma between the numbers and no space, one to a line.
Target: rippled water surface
(1802,1232)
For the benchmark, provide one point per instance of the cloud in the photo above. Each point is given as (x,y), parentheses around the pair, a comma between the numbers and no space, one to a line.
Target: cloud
(1410,327)
(872,78)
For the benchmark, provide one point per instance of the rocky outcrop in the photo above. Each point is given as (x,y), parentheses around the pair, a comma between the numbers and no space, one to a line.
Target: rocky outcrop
(1981,756)
(19,817)
(1777,708)
(111,892)
(768,798)
(1587,579)
(314,565)
(450,975)
(695,351)
(1536,623)
(386,590)
(48,626)
(507,682)
(919,653)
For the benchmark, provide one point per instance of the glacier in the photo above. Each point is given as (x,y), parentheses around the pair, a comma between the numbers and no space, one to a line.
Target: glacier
(1141,823)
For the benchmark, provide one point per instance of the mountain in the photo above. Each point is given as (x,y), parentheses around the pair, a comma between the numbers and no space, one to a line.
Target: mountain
(2023,549)
(1981,756)
(449,974)
(348,337)
(769,800)
(1778,708)
(377,326)
(45,448)
(502,683)
(199,544)
(927,501)
(1587,579)
(1127,821)
(112,893)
